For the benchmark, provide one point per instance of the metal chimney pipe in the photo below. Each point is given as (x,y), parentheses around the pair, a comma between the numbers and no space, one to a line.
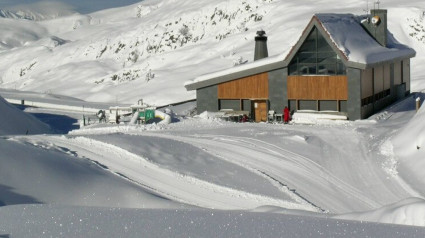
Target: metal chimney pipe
(260,46)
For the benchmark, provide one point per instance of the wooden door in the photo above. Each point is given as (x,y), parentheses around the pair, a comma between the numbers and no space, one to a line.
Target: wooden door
(260,109)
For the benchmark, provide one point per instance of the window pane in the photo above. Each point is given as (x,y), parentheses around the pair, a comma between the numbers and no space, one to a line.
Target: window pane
(309,44)
(341,68)
(316,56)
(327,69)
(322,45)
(293,69)
(307,68)
(326,58)
(307,57)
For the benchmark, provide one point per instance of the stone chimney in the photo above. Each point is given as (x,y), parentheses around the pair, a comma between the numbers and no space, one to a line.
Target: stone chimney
(376,25)
(260,46)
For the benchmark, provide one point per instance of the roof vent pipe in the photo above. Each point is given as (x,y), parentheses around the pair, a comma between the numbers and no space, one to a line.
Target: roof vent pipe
(260,46)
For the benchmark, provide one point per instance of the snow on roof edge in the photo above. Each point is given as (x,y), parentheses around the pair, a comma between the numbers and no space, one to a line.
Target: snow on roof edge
(238,69)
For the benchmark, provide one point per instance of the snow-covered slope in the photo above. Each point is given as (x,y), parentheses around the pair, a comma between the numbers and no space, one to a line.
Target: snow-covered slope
(409,147)
(15,122)
(149,49)
(38,174)
(407,212)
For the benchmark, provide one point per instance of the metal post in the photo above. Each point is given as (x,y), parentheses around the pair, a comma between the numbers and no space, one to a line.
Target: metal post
(418,103)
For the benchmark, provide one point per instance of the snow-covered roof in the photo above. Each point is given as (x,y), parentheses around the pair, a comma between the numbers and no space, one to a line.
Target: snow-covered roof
(239,71)
(345,34)
(348,35)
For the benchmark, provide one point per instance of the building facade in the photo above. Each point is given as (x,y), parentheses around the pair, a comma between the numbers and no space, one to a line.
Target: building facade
(341,63)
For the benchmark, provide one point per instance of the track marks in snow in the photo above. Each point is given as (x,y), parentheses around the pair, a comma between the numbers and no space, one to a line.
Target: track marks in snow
(297,171)
(168,183)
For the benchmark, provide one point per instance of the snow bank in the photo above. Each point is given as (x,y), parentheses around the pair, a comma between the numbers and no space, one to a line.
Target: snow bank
(409,148)
(305,117)
(32,172)
(410,211)
(414,148)
(14,121)
(165,117)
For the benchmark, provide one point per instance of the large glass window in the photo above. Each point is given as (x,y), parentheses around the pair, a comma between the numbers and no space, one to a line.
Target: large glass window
(316,56)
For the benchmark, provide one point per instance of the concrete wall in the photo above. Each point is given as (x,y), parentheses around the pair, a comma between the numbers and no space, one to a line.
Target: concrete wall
(385,77)
(278,89)
(207,99)
(378,79)
(392,78)
(397,73)
(382,103)
(379,31)
(354,109)
(367,83)
(406,74)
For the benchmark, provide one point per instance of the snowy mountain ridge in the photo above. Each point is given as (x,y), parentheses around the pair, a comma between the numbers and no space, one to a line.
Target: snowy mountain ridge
(39,11)
(28,15)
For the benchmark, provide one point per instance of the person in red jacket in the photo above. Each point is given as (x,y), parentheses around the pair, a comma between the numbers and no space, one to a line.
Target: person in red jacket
(286,115)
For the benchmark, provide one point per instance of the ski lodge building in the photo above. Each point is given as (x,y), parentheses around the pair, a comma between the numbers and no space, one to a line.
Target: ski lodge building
(342,63)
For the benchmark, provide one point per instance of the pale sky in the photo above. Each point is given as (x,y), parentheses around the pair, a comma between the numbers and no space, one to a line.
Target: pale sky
(82,6)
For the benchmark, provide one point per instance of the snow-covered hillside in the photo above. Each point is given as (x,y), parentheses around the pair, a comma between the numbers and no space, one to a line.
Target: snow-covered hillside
(149,49)
(199,176)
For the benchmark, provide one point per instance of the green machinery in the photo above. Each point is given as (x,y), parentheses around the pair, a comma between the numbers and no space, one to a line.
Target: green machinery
(147,115)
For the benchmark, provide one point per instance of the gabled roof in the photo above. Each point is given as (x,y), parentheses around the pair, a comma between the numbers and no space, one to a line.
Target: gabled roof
(343,32)
(346,35)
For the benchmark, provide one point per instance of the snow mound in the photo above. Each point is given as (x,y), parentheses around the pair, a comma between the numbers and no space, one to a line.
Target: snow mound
(413,148)
(305,117)
(15,122)
(410,211)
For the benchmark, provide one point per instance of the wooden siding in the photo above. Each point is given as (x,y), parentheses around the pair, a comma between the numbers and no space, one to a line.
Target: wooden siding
(318,87)
(251,87)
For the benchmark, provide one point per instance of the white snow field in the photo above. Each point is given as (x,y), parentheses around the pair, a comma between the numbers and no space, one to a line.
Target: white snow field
(198,176)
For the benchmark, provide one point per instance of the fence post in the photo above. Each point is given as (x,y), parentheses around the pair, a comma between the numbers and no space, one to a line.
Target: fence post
(418,103)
